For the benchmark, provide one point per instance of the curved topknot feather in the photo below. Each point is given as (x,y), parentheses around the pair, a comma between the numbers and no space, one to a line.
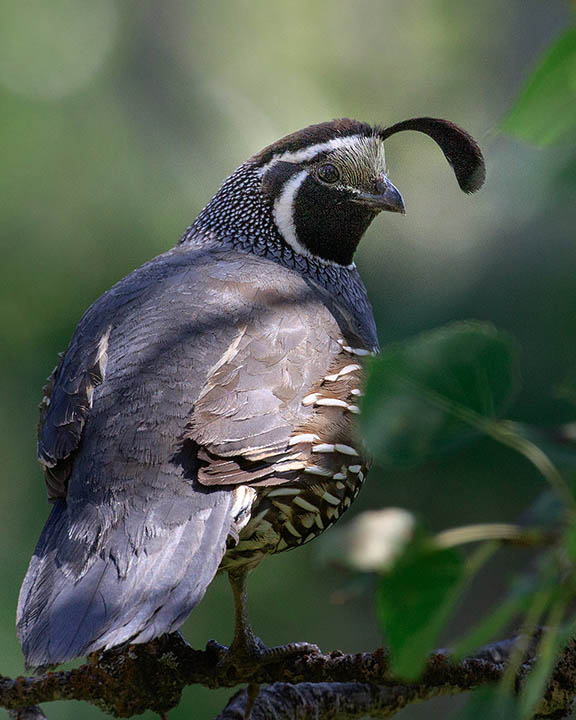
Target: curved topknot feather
(459,148)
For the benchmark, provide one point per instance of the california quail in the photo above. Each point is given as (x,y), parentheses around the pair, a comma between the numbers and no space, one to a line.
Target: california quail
(202,416)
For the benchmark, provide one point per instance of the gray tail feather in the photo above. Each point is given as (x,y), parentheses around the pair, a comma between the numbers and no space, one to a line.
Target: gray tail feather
(65,613)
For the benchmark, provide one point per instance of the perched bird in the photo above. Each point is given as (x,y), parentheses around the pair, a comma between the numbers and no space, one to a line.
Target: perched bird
(202,416)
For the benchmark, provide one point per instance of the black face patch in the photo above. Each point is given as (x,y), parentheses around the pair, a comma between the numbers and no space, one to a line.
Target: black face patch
(328,223)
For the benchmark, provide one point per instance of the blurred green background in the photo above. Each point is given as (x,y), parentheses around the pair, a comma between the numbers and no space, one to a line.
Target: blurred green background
(118,122)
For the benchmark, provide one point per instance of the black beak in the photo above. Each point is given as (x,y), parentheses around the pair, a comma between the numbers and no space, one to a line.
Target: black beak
(386,197)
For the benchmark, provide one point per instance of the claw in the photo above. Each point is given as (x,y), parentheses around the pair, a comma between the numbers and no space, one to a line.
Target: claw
(247,649)
(283,651)
(256,653)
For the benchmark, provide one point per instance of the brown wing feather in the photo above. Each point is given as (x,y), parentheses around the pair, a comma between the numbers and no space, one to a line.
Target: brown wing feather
(252,400)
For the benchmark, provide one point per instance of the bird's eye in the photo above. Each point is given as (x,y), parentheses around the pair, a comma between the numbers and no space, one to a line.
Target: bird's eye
(328,173)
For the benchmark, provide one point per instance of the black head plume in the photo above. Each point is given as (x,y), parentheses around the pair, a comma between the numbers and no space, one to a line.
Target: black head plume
(459,148)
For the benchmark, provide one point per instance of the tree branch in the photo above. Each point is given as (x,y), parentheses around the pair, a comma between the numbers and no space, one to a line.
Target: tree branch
(345,701)
(350,701)
(151,677)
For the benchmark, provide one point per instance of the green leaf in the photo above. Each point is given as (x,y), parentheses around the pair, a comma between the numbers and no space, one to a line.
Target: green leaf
(414,601)
(490,704)
(552,642)
(520,597)
(434,391)
(545,110)
(569,541)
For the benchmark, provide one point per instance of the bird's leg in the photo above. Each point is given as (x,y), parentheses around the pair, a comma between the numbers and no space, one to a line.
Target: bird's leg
(246,647)
(252,692)
(245,642)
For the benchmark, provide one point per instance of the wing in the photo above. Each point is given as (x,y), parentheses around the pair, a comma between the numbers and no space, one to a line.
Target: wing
(252,402)
(183,360)
(63,413)
(133,540)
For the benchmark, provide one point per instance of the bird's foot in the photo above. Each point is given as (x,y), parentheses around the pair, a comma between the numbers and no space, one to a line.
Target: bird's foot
(260,654)
(254,653)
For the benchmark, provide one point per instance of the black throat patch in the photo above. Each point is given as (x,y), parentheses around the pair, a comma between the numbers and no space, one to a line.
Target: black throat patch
(328,223)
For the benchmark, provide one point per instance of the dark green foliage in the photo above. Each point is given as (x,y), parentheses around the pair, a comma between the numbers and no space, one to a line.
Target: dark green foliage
(414,601)
(426,397)
(489,704)
(437,390)
(545,110)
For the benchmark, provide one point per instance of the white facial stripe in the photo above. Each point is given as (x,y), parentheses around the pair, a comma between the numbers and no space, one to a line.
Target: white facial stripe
(284,212)
(310,152)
